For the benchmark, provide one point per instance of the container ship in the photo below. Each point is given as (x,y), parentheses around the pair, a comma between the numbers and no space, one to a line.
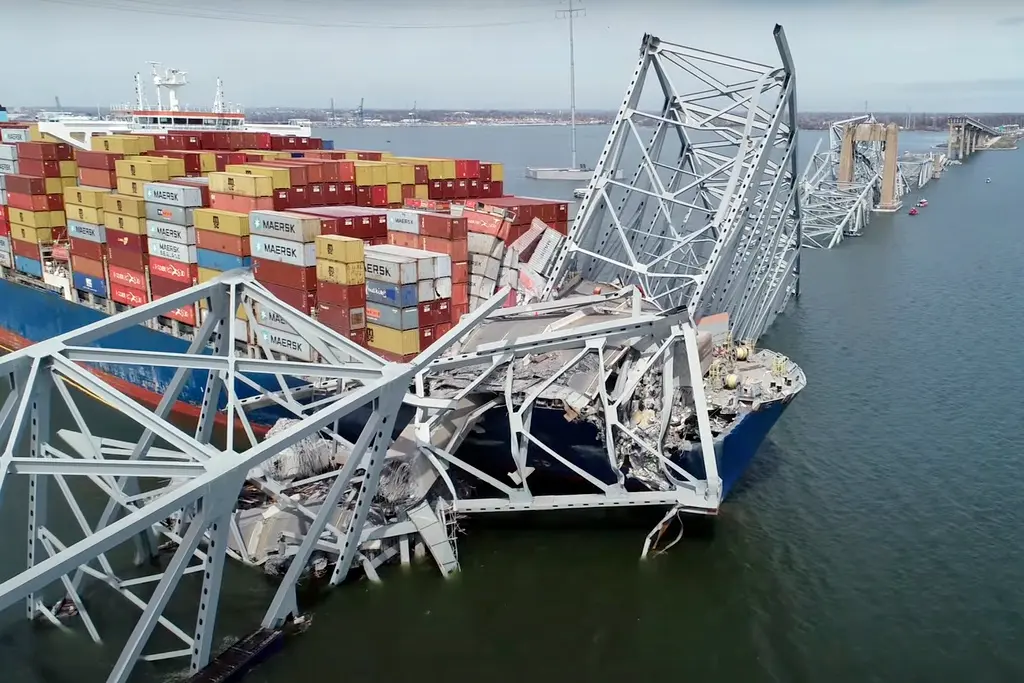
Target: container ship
(390,251)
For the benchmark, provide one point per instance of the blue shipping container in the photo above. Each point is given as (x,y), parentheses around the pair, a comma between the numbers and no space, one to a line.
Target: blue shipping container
(90,284)
(297,155)
(402,296)
(215,260)
(329,144)
(28,265)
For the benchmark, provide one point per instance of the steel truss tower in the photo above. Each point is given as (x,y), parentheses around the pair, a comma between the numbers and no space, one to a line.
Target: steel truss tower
(708,219)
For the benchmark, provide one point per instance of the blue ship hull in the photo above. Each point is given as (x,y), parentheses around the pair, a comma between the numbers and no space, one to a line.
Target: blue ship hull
(29,315)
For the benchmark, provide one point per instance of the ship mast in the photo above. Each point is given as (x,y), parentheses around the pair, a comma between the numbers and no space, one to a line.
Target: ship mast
(218,98)
(571,13)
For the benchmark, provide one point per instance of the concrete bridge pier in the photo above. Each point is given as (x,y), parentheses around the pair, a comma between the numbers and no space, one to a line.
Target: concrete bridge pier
(967,136)
(888,135)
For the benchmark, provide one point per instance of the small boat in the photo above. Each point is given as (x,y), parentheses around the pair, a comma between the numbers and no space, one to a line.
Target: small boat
(988,180)
(579,193)
(923,202)
(913,212)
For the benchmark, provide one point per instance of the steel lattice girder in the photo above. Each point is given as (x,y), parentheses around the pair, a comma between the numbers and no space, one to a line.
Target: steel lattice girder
(708,220)
(201,482)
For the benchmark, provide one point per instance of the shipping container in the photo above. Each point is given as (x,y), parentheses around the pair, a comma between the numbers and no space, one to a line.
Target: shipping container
(124,205)
(125,277)
(90,250)
(341,273)
(28,266)
(228,222)
(85,196)
(224,243)
(94,285)
(122,144)
(187,273)
(127,240)
(85,214)
(402,296)
(243,185)
(128,296)
(7,260)
(95,269)
(174,194)
(169,214)
(98,161)
(220,261)
(341,319)
(128,224)
(284,225)
(284,251)
(24,184)
(299,299)
(174,251)
(33,235)
(340,249)
(283,274)
(286,344)
(27,249)
(131,187)
(162,286)
(281,178)
(185,314)
(170,232)
(87,231)
(271,319)
(392,341)
(348,296)
(151,171)
(118,255)
(384,267)
(393,317)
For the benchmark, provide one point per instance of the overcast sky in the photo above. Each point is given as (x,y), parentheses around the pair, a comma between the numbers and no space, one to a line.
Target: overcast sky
(933,55)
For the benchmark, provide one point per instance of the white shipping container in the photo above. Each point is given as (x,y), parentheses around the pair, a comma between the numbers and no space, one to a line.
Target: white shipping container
(6,259)
(285,343)
(9,152)
(170,232)
(5,243)
(3,195)
(485,245)
(443,288)
(283,251)
(3,182)
(168,213)
(401,220)
(481,286)
(173,195)
(12,135)
(440,264)
(174,251)
(546,251)
(87,231)
(285,226)
(271,319)
(384,267)
(425,290)
(484,265)
(8,167)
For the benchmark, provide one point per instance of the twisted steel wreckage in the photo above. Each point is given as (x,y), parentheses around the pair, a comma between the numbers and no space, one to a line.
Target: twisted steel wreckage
(630,335)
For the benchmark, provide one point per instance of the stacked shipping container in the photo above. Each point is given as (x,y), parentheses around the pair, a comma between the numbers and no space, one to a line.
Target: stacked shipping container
(35,201)
(341,285)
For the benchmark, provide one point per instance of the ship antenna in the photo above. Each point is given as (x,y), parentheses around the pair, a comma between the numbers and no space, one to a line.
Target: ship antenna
(218,98)
(140,97)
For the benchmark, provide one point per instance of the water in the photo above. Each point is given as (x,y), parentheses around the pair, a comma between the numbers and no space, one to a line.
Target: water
(877,536)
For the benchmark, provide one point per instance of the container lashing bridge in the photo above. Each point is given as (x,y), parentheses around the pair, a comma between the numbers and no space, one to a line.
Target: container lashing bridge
(708,223)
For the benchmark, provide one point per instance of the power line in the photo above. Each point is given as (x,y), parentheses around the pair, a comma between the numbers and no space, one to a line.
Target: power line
(140,7)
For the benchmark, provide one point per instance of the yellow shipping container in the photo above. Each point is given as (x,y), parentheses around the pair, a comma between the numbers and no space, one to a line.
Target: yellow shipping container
(497,171)
(340,249)
(422,192)
(282,177)
(34,219)
(266,154)
(132,224)
(65,183)
(240,184)
(86,214)
(58,219)
(341,273)
(371,173)
(124,204)
(227,222)
(85,196)
(175,167)
(393,341)
(131,187)
(437,169)
(33,235)
(152,170)
(122,144)
(207,274)
(207,162)
(68,169)
(394,193)
(56,185)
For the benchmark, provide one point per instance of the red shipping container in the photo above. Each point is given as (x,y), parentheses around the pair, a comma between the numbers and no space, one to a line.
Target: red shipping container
(127,295)
(192,161)
(45,151)
(85,266)
(296,174)
(284,274)
(162,286)
(126,258)
(185,314)
(25,184)
(363,195)
(90,250)
(460,295)
(35,202)
(5,229)
(358,336)
(26,249)
(298,197)
(346,171)
(230,202)
(3,212)
(434,205)
(379,195)
(427,313)
(316,195)
(60,252)
(92,177)
(100,161)
(443,226)
(467,168)
(43,169)
(435,189)
(426,337)
(346,194)
(223,243)
(474,188)
(349,296)
(340,318)
(408,192)
(443,312)
(458,311)
(132,279)
(442,329)
(185,273)
(127,241)
(331,194)
(485,172)
(299,299)
(320,171)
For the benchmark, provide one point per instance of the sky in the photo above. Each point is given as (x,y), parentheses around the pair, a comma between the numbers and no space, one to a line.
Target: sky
(893,55)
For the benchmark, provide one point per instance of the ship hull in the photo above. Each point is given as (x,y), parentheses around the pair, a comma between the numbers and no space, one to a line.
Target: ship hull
(30,315)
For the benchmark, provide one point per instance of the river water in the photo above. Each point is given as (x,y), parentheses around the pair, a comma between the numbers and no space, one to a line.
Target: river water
(877,537)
